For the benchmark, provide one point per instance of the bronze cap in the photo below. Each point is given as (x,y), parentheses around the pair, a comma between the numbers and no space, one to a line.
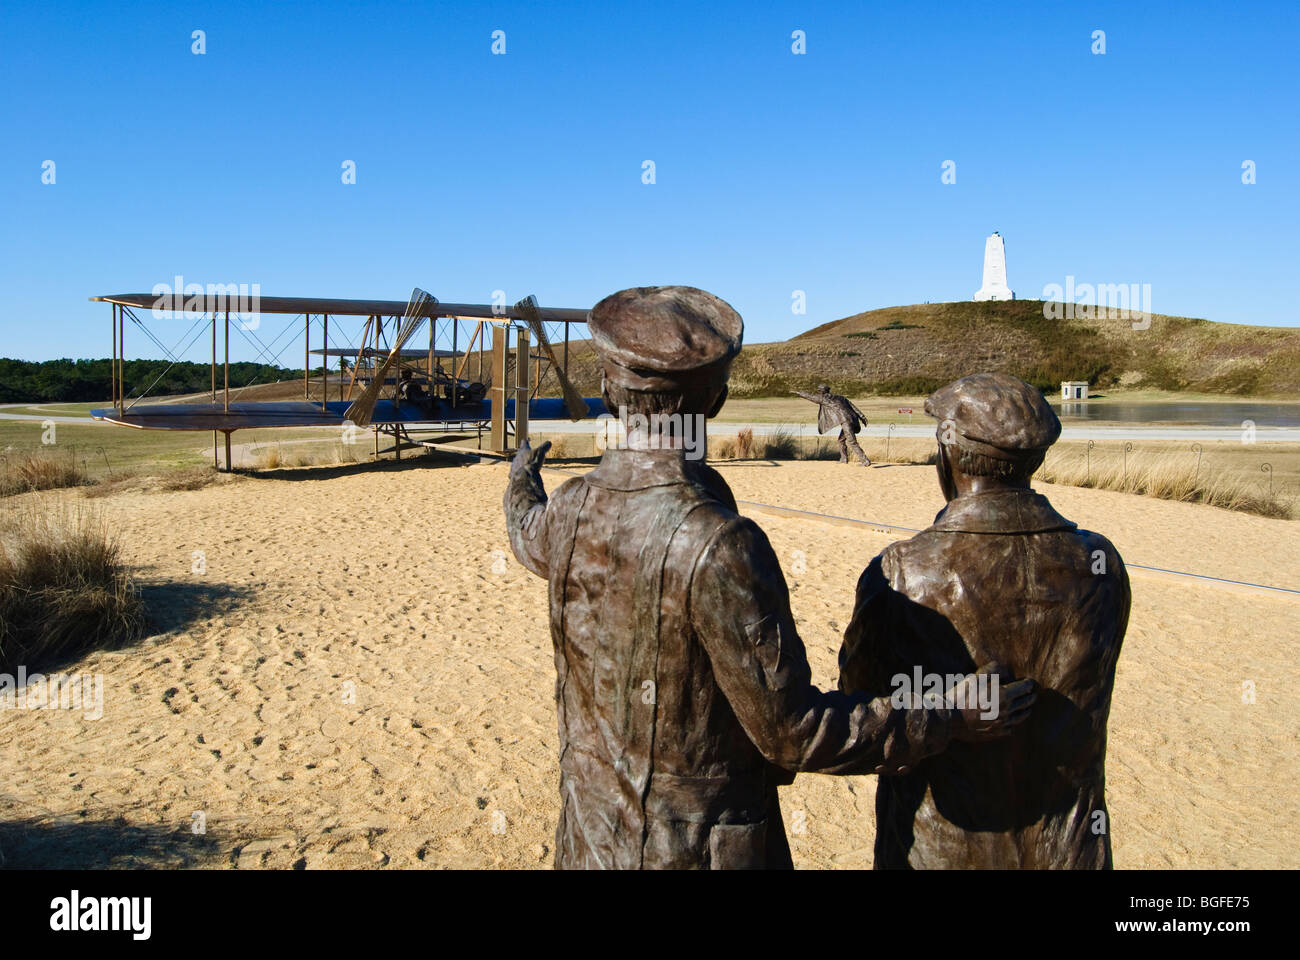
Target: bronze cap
(996,415)
(665,338)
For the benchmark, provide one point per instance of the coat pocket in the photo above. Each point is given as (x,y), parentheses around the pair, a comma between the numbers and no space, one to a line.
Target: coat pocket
(738,846)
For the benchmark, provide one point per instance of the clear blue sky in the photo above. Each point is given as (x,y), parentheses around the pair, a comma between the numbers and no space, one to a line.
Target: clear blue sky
(523,172)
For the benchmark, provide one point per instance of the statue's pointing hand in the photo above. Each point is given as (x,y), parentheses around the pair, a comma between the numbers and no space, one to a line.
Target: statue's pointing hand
(526,458)
(525,491)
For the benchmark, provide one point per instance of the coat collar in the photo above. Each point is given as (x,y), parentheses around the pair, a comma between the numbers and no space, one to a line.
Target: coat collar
(1000,511)
(642,469)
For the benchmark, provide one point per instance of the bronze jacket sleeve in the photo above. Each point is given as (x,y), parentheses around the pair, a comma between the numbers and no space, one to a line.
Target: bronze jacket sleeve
(740,609)
(865,656)
(525,505)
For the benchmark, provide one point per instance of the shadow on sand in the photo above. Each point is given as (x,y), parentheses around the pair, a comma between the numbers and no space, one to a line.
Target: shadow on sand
(173,605)
(82,844)
(169,607)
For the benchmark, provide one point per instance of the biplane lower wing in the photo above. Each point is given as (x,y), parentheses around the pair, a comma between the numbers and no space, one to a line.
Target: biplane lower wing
(302,413)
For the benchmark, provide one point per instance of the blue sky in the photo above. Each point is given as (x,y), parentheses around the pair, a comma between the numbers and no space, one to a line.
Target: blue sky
(774,172)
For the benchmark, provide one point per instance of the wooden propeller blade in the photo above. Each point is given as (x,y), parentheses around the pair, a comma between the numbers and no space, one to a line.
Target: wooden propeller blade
(363,407)
(530,311)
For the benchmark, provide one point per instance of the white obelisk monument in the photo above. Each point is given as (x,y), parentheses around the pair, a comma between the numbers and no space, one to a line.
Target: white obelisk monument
(995,271)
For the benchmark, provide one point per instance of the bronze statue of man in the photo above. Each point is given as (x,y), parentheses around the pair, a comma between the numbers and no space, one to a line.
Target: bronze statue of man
(682,688)
(1000,576)
(836,411)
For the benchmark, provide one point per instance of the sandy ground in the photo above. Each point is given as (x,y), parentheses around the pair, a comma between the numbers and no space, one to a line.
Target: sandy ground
(359,675)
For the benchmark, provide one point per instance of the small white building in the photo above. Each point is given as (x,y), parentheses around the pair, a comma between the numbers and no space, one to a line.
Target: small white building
(1074,389)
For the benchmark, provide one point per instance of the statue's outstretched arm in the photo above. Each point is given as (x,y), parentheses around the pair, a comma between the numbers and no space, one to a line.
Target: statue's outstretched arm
(525,507)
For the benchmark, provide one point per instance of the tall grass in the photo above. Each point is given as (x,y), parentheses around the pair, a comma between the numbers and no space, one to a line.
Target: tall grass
(1167,476)
(63,587)
(780,444)
(39,471)
(269,457)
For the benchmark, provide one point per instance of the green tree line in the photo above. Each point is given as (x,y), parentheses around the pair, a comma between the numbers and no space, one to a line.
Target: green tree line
(88,381)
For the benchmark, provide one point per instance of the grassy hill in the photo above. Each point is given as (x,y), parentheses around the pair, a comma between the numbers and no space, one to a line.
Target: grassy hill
(913,350)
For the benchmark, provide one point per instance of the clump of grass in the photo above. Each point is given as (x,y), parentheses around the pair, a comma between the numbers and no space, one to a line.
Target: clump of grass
(1167,477)
(108,486)
(723,450)
(745,444)
(63,587)
(269,457)
(39,472)
(195,478)
(781,444)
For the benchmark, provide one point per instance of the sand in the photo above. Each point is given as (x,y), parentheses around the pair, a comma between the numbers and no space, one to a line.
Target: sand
(361,676)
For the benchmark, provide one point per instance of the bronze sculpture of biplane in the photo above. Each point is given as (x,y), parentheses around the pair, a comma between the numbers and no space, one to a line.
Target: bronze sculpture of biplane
(501,395)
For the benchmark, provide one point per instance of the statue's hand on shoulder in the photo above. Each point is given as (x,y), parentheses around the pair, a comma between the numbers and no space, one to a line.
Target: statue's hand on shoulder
(989,704)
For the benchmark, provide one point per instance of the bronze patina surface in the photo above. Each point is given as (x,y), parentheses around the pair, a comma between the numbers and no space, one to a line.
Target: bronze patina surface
(682,687)
(1000,576)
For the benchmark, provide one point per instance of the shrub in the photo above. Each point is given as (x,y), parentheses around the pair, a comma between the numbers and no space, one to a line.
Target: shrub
(269,457)
(63,587)
(39,472)
(724,450)
(195,478)
(781,444)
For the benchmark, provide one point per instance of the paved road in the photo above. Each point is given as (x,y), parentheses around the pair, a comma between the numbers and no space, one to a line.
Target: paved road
(29,416)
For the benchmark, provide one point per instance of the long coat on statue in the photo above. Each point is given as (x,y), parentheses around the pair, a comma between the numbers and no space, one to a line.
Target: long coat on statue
(998,576)
(682,688)
(835,411)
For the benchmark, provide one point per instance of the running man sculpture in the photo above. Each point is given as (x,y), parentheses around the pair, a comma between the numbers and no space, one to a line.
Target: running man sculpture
(836,411)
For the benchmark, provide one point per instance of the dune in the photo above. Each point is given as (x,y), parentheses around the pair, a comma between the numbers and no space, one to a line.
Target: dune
(349,669)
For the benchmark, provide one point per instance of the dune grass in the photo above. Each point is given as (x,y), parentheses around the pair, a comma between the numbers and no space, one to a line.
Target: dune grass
(1168,476)
(63,587)
(23,473)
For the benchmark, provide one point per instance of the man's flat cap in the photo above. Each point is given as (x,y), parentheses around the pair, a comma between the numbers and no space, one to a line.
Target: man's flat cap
(996,415)
(665,338)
